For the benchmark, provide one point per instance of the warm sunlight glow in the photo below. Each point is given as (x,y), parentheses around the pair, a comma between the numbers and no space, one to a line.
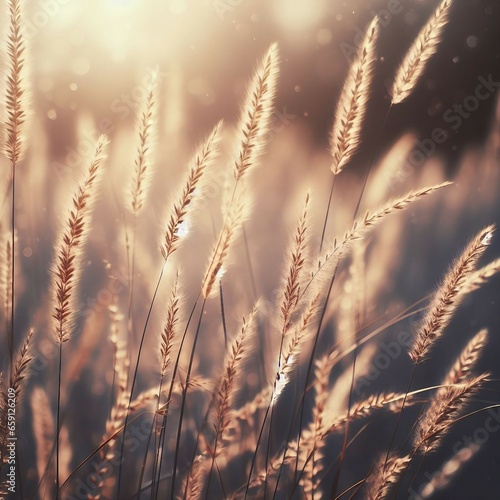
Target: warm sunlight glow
(298,15)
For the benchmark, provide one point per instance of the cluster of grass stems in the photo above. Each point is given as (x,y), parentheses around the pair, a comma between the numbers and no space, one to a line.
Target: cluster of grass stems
(214,437)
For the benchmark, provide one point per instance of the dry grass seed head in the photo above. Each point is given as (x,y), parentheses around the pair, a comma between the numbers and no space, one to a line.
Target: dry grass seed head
(345,136)
(448,297)
(466,361)
(120,345)
(195,482)
(6,272)
(387,475)
(147,125)
(362,409)
(481,276)
(423,48)
(442,412)
(23,360)
(292,284)
(169,330)
(224,397)
(113,425)
(330,259)
(66,269)
(260,401)
(231,228)
(321,383)
(256,113)
(43,431)
(16,91)
(291,352)
(191,187)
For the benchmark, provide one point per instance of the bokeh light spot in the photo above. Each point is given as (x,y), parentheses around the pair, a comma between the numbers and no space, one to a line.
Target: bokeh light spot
(80,66)
(324,36)
(471,41)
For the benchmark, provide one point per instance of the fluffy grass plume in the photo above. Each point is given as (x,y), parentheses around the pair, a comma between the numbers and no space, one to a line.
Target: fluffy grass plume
(345,136)
(321,386)
(193,484)
(481,276)
(457,387)
(21,365)
(423,48)
(386,476)
(442,412)
(289,358)
(6,272)
(256,113)
(293,282)
(177,219)
(141,179)
(361,226)
(220,413)
(362,409)
(253,127)
(170,328)
(16,86)
(231,228)
(114,425)
(311,438)
(448,297)
(67,266)
(238,351)
(466,361)
(43,431)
